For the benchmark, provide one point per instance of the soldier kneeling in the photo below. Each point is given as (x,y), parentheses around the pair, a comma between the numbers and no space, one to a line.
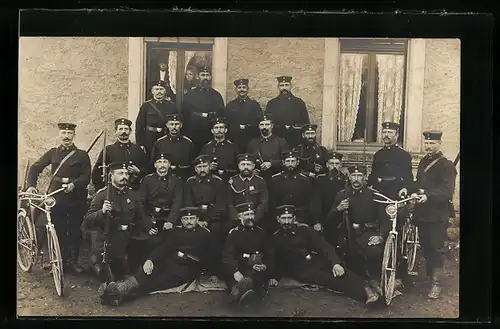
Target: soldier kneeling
(247,259)
(179,259)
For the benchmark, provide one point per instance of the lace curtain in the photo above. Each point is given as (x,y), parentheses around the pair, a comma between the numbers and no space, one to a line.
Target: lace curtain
(350,90)
(390,89)
(172,66)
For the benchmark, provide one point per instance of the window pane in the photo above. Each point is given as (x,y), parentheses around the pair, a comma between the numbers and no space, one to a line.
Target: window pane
(194,61)
(162,66)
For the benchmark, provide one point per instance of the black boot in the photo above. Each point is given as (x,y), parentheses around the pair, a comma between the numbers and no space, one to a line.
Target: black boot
(436,288)
(73,261)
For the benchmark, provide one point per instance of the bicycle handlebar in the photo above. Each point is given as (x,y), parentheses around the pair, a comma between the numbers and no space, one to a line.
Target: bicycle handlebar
(389,200)
(36,196)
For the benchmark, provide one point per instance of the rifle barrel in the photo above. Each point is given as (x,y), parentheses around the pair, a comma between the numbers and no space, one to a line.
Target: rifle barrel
(94,141)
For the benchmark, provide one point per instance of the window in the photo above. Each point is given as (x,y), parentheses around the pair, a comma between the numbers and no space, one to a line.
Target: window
(177,62)
(371,89)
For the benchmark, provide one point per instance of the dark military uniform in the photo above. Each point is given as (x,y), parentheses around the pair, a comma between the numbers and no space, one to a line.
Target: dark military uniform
(225,152)
(287,111)
(127,218)
(68,212)
(198,107)
(310,155)
(304,255)
(161,199)
(243,116)
(181,150)
(268,149)
(247,189)
(438,184)
(150,122)
(242,245)
(119,152)
(364,217)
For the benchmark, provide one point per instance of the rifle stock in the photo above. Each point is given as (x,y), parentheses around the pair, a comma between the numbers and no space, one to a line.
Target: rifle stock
(105,255)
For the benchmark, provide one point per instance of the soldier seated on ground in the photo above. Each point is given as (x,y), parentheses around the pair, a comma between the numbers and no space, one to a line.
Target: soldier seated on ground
(303,254)
(248,259)
(179,259)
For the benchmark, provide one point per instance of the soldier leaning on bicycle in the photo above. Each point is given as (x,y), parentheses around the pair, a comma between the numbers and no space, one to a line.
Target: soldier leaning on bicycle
(357,238)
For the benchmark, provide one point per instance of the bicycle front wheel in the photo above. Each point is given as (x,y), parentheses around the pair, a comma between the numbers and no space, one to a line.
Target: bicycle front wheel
(26,247)
(56,260)
(388,276)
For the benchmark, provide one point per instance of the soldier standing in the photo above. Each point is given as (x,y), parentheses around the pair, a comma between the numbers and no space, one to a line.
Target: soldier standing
(391,169)
(222,152)
(327,186)
(126,214)
(435,185)
(243,115)
(303,254)
(312,156)
(150,122)
(161,198)
(122,150)
(287,111)
(247,258)
(246,187)
(198,106)
(293,188)
(177,260)
(70,168)
(267,149)
(180,148)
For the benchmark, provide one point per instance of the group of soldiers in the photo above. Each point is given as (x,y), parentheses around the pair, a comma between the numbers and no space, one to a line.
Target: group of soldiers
(239,194)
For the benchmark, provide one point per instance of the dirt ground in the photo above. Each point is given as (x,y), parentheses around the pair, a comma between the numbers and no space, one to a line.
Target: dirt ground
(37,297)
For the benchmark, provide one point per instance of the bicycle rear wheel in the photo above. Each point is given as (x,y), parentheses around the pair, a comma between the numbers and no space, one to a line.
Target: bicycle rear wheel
(411,243)
(26,246)
(388,276)
(56,260)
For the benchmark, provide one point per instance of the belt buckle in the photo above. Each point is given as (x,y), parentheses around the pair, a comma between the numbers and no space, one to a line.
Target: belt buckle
(308,257)
(158,129)
(157,209)
(173,167)
(124,227)
(379,180)
(245,255)
(65,180)
(355,225)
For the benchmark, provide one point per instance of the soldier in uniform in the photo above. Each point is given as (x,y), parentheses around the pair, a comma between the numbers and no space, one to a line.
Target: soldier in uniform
(198,106)
(243,116)
(150,122)
(293,188)
(434,187)
(126,216)
(391,169)
(222,152)
(267,149)
(178,259)
(312,156)
(161,199)
(327,186)
(180,148)
(288,111)
(246,187)
(247,258)
(207,192)
(364,218)
(303,254)
(122,150)
(70,168)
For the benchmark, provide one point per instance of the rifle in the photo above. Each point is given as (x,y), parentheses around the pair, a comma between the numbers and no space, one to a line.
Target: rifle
(25,176)
(95,141)
(108,273)
(457,159)
(451,206)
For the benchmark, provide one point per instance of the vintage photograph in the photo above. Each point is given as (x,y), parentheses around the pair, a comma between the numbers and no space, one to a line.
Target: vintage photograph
(230,177)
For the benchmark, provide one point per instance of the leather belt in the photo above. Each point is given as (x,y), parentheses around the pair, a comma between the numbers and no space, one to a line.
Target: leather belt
(154,129)
(310,255)
(159,211)
(64,180)
(386,179)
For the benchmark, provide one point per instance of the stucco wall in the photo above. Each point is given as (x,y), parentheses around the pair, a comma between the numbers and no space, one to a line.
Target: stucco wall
(81,80)
(263,59)
(441,108)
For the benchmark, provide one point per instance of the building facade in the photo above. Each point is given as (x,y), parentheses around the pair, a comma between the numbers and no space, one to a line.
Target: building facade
(349,86)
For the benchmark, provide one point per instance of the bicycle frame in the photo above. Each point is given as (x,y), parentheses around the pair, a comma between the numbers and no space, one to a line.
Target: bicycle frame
(392,213)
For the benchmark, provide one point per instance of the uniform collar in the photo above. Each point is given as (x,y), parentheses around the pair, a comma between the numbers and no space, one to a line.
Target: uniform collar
(204,89)
(216,142)
(434,155)
(353,192)
(69,148)
(243,100)
(123,191)
(246,178)
(289,96)
(246,228)
(206,179)
(291,175)
(266,139)
(334,173)
(127,144)
(159,101)
(162,178)
(389,147)
(174,138)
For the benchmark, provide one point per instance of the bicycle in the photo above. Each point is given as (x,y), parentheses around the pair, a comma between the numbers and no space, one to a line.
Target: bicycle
(389,260)
(28,251)
(411,244)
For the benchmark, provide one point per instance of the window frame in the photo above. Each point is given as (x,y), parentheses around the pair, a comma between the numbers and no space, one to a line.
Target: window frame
(180,47)
(373,47)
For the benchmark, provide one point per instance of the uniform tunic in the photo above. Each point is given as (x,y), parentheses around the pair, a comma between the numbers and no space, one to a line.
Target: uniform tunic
(197,105)
(309,155)
(182,150)
(243,117)
(122,152)
(225,152)
(268,149)
(391,171)
(288,110)
(149,125)
(438,183)
(247,189)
